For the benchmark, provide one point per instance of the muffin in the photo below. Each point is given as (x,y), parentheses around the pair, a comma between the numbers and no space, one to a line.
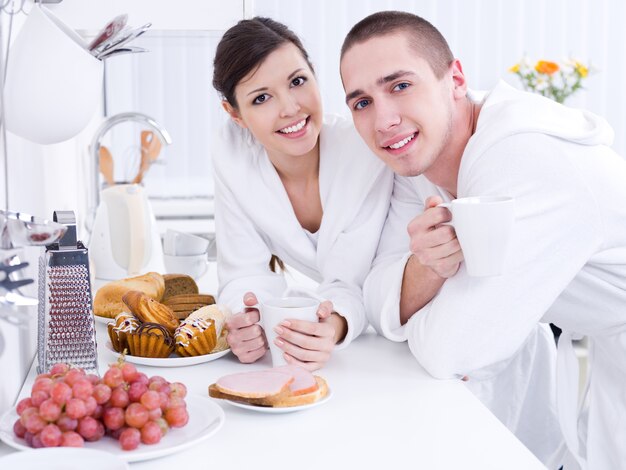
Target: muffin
(150,340)
(119,329)
(201,332)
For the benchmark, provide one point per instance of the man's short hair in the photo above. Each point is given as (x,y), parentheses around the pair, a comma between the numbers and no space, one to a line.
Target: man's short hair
(427,41)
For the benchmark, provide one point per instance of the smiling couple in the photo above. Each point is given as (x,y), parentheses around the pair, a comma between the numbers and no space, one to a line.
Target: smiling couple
(355,206)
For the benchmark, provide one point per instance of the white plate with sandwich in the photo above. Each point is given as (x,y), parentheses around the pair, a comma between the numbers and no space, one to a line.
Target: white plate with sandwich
(280,390)
(280,409)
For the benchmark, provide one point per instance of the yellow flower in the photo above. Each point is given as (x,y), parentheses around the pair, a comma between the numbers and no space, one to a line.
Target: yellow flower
(514,69)
(544,66)
(581,69)
(552,79)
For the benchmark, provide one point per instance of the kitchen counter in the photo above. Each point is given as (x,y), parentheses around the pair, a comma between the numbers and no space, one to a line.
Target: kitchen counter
(385,412)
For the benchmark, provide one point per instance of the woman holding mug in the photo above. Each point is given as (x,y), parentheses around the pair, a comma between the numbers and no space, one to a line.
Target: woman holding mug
(293,186)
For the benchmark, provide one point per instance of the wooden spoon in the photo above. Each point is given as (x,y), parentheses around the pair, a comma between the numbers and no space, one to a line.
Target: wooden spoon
(150,149)
(106,165)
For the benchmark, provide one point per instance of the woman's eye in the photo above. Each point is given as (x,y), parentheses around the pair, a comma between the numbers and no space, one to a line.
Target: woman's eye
(298,81)
(361,104)
(261,99)
(401,86)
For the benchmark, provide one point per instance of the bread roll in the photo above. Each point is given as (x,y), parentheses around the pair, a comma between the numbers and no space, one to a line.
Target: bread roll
(108,301)
(149,310)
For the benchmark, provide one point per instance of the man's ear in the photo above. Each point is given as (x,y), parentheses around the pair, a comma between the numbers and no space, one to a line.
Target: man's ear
(234,114)
(458,79)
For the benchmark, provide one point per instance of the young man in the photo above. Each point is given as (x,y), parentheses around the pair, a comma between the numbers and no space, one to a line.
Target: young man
(567,264)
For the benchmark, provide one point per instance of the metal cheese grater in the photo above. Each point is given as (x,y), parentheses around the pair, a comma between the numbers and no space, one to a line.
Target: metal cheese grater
(66,324)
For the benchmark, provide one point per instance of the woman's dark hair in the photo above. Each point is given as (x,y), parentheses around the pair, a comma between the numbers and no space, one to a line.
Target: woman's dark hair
(244,47)
(276,263)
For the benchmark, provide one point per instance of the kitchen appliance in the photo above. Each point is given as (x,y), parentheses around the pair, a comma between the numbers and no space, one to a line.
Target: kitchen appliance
(125,240)
(66,326)
(21,235)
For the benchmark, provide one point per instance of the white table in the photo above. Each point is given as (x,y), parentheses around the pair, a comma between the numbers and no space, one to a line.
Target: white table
(385,413)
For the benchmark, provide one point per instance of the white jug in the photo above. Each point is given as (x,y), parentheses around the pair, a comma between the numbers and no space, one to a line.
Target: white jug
(125,240)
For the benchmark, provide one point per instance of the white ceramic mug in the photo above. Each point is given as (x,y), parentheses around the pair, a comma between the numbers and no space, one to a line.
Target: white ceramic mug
(274,311)
(192,265)
(177,243)
(484,226)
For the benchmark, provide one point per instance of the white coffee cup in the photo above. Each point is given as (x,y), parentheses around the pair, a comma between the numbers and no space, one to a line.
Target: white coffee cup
(484,227)
(274,311)
(192,265)
(177,243)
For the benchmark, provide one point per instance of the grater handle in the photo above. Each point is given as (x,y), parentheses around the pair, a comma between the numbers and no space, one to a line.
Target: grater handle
(67,218)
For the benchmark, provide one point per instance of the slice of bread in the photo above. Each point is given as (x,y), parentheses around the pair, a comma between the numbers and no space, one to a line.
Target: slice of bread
(178,284)
(306,398)
(184,304)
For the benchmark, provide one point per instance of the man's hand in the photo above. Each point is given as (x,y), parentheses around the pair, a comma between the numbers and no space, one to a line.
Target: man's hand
(245,336)
(433,244)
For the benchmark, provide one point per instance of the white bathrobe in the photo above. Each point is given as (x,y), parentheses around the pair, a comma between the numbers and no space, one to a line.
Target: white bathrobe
(254,219)
(567,265)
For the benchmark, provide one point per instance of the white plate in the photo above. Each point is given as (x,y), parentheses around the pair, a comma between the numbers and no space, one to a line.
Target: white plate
(280,410)
(103,320)
(205,419)
(64,458)
(172,361)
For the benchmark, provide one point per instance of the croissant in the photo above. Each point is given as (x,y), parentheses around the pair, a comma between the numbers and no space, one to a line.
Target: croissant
(149,310)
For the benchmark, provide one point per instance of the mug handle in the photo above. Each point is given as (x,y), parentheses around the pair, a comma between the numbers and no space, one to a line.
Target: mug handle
(448,206)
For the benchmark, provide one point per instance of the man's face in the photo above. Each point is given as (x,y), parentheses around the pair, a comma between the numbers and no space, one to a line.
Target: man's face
(399,107)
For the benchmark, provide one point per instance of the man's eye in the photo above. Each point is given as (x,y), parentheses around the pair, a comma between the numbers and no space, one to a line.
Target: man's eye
(261,99)
(401,86)
(361,104)
(298,81)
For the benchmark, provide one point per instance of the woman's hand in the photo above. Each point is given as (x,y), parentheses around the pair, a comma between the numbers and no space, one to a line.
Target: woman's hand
(309,344)
(245,336)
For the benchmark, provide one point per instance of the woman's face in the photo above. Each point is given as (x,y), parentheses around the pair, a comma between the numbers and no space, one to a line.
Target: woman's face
(279,102)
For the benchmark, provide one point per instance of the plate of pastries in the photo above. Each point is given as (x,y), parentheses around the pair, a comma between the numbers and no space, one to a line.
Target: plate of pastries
(162,320)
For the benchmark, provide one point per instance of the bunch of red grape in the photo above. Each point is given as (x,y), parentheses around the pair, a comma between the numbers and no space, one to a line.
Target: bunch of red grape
(68,407)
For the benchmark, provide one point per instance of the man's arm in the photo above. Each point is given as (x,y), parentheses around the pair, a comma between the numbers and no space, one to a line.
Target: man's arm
(401,283)
(419,286)
(436,256)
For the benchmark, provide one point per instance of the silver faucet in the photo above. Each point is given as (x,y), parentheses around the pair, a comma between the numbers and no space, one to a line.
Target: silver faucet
(105,127)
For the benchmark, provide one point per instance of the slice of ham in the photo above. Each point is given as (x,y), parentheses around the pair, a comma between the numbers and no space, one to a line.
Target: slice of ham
(256,384)
(304,381)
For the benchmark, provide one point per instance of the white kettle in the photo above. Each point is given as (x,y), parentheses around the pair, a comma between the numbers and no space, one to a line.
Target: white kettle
(125,240)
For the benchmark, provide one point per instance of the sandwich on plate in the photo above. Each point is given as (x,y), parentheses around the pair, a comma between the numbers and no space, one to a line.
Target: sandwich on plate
(280,387)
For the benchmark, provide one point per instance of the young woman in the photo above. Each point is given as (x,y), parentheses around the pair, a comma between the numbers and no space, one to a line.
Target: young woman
(292,186)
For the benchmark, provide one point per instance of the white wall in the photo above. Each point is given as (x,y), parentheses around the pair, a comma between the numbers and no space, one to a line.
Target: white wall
(488,36)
